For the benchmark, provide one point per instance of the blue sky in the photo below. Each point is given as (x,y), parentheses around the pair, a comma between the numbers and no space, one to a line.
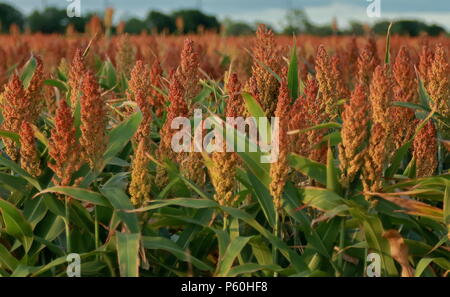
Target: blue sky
(272,11)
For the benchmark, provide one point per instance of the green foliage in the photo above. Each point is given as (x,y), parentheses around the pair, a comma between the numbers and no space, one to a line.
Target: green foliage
(54,20)
(408,27)
(135,26)
(193,19)
(160,22)
(233,28)
(8,16)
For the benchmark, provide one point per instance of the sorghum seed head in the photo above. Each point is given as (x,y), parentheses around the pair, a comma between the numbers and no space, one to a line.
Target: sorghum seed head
(29,156)
(425,150)
(140,184)
(93,122)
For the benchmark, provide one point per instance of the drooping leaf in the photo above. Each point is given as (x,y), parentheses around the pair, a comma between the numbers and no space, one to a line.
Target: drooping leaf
(128,254)
(16,224)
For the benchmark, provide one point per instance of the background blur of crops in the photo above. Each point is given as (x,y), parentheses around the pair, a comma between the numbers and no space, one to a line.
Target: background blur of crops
(86,165)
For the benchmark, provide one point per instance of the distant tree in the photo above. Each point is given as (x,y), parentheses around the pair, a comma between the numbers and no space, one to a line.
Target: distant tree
(159,21)
(435,30)
(194,19)
(135,26)
(381,28)
(54,20)
(8,16)
(80,23)
(268,26)
(324,30)
(233,28)
(297,22)
(356,28)
(408,27)
(51,20)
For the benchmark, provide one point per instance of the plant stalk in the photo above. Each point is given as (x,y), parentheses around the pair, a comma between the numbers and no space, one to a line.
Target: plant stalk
(276,233)
(67,223)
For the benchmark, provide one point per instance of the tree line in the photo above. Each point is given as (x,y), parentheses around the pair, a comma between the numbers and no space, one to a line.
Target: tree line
(55,20)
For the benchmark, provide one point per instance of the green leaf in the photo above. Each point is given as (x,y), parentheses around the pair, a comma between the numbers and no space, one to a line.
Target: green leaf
(253,160)
(332,173)
(83,195)
(7,260)
(423,93)
(293,74)
(264,198)
(34,211)
(447,206)
(387,59)
(128,254)
(289,254)
(161,243)
(373,230)
(312,169)
(16,224)
(121,135)
(253,106)
(28,72)
(183,202)
(423,264)
(16,168)
(330,125)
(397,159)
(204,94)
(410,105)
(321,199)
(62,86)
(233,250)
(58,262)
(11,135)
(121,203)
(261,250)
(108,78)
(13,183)
(250,268)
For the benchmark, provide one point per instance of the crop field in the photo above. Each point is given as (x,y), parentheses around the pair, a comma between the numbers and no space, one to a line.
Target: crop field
(360,185)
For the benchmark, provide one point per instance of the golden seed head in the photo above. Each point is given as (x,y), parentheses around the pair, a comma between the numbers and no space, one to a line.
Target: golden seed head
(263,85)
(279,170)
(223,177)
(331,85)
(380,98)
(425,150)
(367,62)
(76,74)
(139,91)
(140,184)
(188,73)
(439,81)
(375,159)
(15,108)
(29,155)
(64,147)
(125,55)
(354,135)
(158,100)
(235,104)
(93,122)
(405,90)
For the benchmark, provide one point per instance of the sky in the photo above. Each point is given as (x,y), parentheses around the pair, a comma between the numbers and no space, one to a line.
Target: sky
(269,11)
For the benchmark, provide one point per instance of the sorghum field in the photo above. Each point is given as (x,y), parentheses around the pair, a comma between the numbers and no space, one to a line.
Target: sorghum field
(87,167)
